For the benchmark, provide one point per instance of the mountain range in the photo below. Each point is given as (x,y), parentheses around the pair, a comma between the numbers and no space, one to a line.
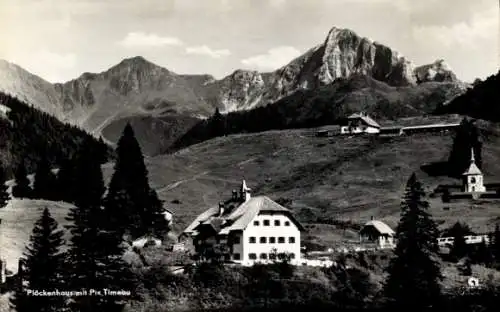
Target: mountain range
(163,105)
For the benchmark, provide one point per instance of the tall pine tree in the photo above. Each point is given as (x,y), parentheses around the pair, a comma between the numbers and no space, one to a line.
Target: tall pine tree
(44,184)
(65,181)
(4,194)
(22,188)
(495,244)
(43,268)
(459,248)
(95,255)
(467,137)
(130,177)
(414,274)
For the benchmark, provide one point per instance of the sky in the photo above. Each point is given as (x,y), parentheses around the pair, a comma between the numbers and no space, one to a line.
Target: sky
(61,39)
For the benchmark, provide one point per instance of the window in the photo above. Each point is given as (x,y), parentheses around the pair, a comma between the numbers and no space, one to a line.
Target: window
(292,256)
(282,256)
(272,240)
(252,256)
(272,256)
(236,240)
(472,180)
(287,223)
(263,256)
(277,223)
(291,240)
(256,223)
(236,256)
(263,240)
(266,222)
(252,240)
(281,240)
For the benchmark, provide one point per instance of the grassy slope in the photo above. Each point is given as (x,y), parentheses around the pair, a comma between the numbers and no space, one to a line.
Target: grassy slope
(18,218)
(326,178)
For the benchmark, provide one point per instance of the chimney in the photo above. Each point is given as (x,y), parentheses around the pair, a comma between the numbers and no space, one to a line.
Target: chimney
(3,276)
(244,192)
(221,208)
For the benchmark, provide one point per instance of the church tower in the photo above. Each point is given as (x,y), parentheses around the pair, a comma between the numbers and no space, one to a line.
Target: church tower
(473,177)
(244,192)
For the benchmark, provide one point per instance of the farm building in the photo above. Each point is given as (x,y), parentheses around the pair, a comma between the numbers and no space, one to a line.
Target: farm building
(379,233)
(360,123)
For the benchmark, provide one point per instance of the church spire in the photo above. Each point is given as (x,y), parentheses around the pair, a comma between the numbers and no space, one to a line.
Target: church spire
(472,157)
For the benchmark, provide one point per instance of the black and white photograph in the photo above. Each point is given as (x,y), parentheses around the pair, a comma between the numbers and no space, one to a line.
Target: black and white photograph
(249,155)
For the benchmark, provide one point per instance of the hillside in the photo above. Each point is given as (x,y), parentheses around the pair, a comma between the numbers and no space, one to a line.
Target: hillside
(27,134)
(328,105)
(136,88)
(480,101)
(327,182)
(321,179)
(18,219)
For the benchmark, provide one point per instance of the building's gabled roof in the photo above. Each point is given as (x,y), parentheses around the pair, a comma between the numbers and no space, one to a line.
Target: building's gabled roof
(381,227)
(472,170)
(201,218)
(367,119)
(241,217)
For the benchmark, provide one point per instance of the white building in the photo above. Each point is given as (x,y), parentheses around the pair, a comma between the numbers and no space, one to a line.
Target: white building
(169,215)
(360,123)
(253,229)
(379,233)
(473,177)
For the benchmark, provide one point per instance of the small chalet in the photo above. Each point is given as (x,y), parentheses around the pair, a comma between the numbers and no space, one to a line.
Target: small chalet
(360,123)
(247,230)
(379,233)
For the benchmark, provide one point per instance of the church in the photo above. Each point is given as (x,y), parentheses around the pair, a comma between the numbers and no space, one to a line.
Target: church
(473,186)
(248,229)
(473,178)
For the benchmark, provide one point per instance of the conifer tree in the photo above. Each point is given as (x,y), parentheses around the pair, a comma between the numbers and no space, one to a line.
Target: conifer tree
(42,268)
(495,244)
(65,181)
(459,248)
(44,184)
(155,222)
(131,177)
(22,188)
(218,124)
(414,273)
(467,137)
(95,255)
(4,194)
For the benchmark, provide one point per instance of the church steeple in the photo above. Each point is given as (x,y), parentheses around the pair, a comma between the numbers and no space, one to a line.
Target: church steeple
(473,177)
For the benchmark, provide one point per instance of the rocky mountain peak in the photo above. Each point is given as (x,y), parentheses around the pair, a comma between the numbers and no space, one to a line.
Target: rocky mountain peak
(439,71)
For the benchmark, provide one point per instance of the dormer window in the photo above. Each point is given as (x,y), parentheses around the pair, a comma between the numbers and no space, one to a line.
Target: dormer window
(276,222)
(287,223)
(256,223)
(266,222)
